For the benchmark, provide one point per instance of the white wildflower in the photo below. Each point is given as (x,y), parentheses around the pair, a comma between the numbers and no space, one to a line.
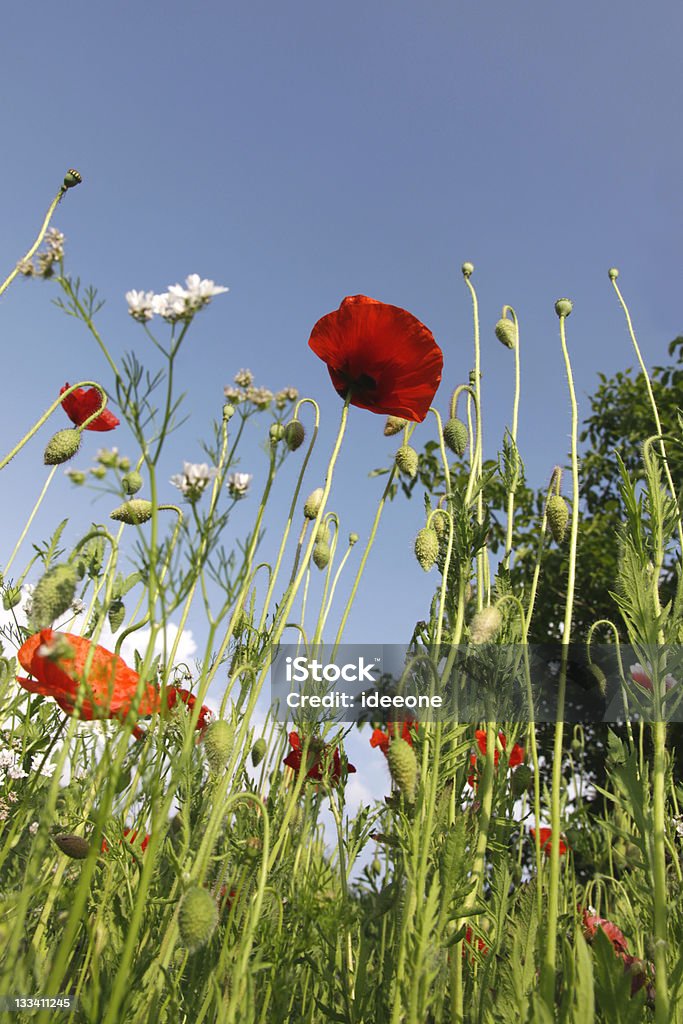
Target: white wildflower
(140,305)
(193,480)
(238,484)
(244,379)
(48,768)
(15,771)
(33,827)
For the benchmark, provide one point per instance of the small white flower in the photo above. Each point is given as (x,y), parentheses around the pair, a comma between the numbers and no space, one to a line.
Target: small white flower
(193,480)
(7,757)
(140,305)
(238,484)
(33,827)
(48,768)
(170,307)
(15,771)
(244,379)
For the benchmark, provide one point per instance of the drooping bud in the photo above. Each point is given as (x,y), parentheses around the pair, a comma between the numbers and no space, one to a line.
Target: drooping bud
(117,613)
(132,482)
(321,555)
(258,752)
(467,269)
(218,741)
(407,460)
(62,447)
(558,517)
(313,503)
(485,625)
(276,432)
(197,918)
(521,780)
(563,307)
(403,767)
(294,435)
(394,425)
(72,178)
(440,523)
(72,846)
(52,596)
(506,332)
(133,512)
(427,547)
(456,436)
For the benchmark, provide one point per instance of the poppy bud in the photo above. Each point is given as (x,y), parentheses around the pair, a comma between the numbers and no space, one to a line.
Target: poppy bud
(321,555)
(456,436)
(558,517)
(440,523)
(72,178)
(76,476)
(427,547)
(613,273)
(313,503)
(394,425)
(117,613)
(563,307)
(485,625)
(467,269)
(53,596)
(506,332)
(599,677)
(197,918)
(407,460)
(133,512)
(294,435)
(132,482)
(72,846)
(403,767)
(353,539)
(521,780)
(218,741)
(322,534)
(62,447)
(276,432)
(258,752)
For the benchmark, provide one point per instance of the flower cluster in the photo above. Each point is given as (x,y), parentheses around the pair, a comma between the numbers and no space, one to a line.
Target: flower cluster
(177,303)
(243,390)
(11,766)
(319,762)
(238,484)
(194,479)
(51,254)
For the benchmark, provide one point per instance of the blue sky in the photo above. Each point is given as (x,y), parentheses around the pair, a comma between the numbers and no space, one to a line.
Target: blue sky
(299,153)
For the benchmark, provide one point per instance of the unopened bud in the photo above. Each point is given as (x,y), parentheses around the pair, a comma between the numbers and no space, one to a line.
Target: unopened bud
(563,307)
(197,918)
(407,460)
(52,596)
(258,752)
(322,534)
(313,503)
(321,555)
(558,517)
(132,482)
(521,780)
(133,512)
(613,273)
(276,432)
(485,625)
(506,332)
(394,425)
(353,539)
(456,436)
(294,435)
(72,846)
(403,767)
(218,742)
(62,447)
(427,547)
(467,269)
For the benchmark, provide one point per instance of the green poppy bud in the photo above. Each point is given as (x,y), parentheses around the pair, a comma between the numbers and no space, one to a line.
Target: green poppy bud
(506,332)
(403,767)
(353,539)
(132,482)
(133,512)
(62,447)
(613,273)
(294,435)
(52,596)
(321,555)
(558,517)
(218,742)
(72,846)
(521,780)
(394,425)
(467,269)
(407,460)
(456,436)
(313,503)
(258,752)
(197,918)
(485,625)
(427,547)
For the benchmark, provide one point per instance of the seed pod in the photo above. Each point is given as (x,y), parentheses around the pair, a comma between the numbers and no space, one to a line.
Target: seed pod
(133,512)
(294,435)
(563,307)
(403,767)
(258,752)
(485,625)
(52,596)
(394,425)
(313,503)
(521,780)
(72,178)
(72,846)
(467,269)
(197,918)
(558,517)
(613,273)
(218,741)
(407,460)
(506,332)
(132,482)
(62,447)
(117,613)
(321,555)
(427,547)
(456,436)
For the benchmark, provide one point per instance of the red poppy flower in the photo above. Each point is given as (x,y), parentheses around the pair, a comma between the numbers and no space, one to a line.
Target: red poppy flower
(382,354)
(481,945)
(57,663)
(546,839)
(131,836)
(83,402)
(317,760)
(591,923)
(381,739)
(515,757)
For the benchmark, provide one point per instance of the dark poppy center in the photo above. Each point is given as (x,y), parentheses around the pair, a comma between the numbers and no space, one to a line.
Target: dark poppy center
(364,385)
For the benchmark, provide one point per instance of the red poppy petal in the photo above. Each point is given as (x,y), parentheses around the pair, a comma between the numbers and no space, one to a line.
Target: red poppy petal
(83,402)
